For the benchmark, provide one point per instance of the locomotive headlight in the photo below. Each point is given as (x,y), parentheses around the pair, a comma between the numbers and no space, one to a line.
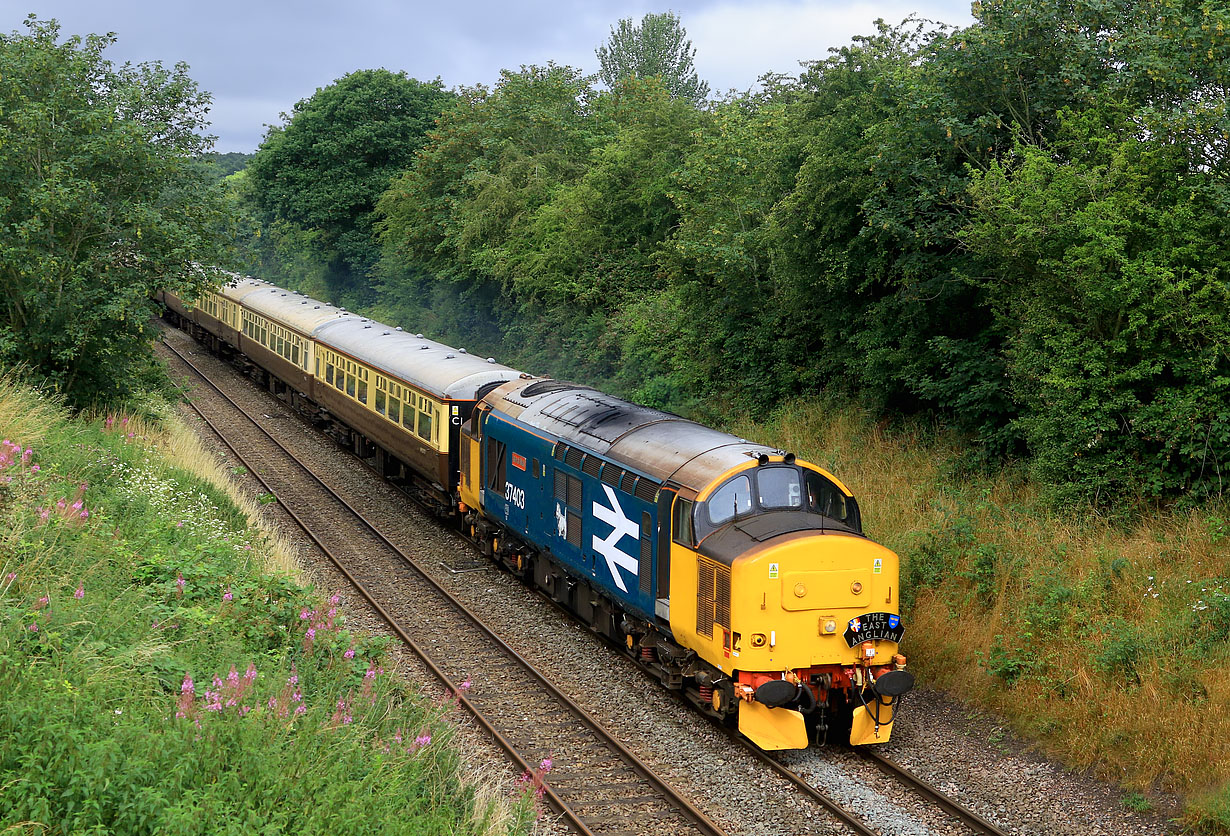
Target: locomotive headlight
(828,626)
(800,590)
(856,587)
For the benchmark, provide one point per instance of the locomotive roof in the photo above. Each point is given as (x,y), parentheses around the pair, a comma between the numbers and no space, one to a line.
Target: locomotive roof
(654,443)
(295,310)
(431,366)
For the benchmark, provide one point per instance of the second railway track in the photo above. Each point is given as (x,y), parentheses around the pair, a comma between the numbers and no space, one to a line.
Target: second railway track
(596,784)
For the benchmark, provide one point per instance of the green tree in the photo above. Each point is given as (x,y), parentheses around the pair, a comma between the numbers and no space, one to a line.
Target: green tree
(102,203)
(322,172)
(496,157)
(657,46)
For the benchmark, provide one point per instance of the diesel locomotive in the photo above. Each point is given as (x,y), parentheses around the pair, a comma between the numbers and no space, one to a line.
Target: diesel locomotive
(733,572)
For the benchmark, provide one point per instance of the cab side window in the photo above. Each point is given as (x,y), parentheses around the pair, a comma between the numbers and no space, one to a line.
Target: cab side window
(496,476)
(681,530)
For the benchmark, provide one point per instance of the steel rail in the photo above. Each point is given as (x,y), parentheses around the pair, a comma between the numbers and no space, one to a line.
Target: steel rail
(704,822)
(929,791)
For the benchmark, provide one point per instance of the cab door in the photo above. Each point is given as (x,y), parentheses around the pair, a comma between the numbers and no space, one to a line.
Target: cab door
(470,482)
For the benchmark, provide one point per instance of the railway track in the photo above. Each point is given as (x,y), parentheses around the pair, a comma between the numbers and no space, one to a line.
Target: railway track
(967,817)
(597,785)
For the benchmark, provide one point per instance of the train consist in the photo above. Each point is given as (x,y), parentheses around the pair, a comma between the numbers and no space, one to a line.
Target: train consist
(733,572)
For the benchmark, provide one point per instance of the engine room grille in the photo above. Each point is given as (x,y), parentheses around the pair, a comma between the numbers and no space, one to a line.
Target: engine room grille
(567,489)
(573,458)
(574,529)
(721,606)
(591,466)
(646,566)
(712,596)
(611,474)
(646,490)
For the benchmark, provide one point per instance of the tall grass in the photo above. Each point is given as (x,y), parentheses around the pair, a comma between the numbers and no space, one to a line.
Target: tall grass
(160,671)
(1103,637)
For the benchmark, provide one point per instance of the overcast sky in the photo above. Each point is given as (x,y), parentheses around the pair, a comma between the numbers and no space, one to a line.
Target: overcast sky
(259,57)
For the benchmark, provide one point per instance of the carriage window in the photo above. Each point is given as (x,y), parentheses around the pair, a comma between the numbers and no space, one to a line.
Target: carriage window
(425,425)
(394,410)
(329,373)
(779,487)
(733,498)
(380,402)
(362,391)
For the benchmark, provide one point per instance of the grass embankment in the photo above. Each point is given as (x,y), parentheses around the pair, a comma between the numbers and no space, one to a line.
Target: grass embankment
(162,670)
(1105,639)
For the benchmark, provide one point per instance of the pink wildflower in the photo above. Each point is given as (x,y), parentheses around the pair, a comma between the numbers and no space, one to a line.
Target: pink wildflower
(226,596)
(33,628)
(10,577)
(80,593)
(187,694)
(179,582)
(42,602)
(545,764)
(422,740)
(35,469)
(349,654)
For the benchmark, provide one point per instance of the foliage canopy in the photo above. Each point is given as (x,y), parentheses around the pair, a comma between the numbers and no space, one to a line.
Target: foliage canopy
(102,204)
(656,47)
(323,170)
(1016,226)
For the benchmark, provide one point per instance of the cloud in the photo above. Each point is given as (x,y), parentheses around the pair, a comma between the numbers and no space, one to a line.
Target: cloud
(736,43)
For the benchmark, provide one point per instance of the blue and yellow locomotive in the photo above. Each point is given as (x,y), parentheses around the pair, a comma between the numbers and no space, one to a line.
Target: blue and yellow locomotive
(732,571)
